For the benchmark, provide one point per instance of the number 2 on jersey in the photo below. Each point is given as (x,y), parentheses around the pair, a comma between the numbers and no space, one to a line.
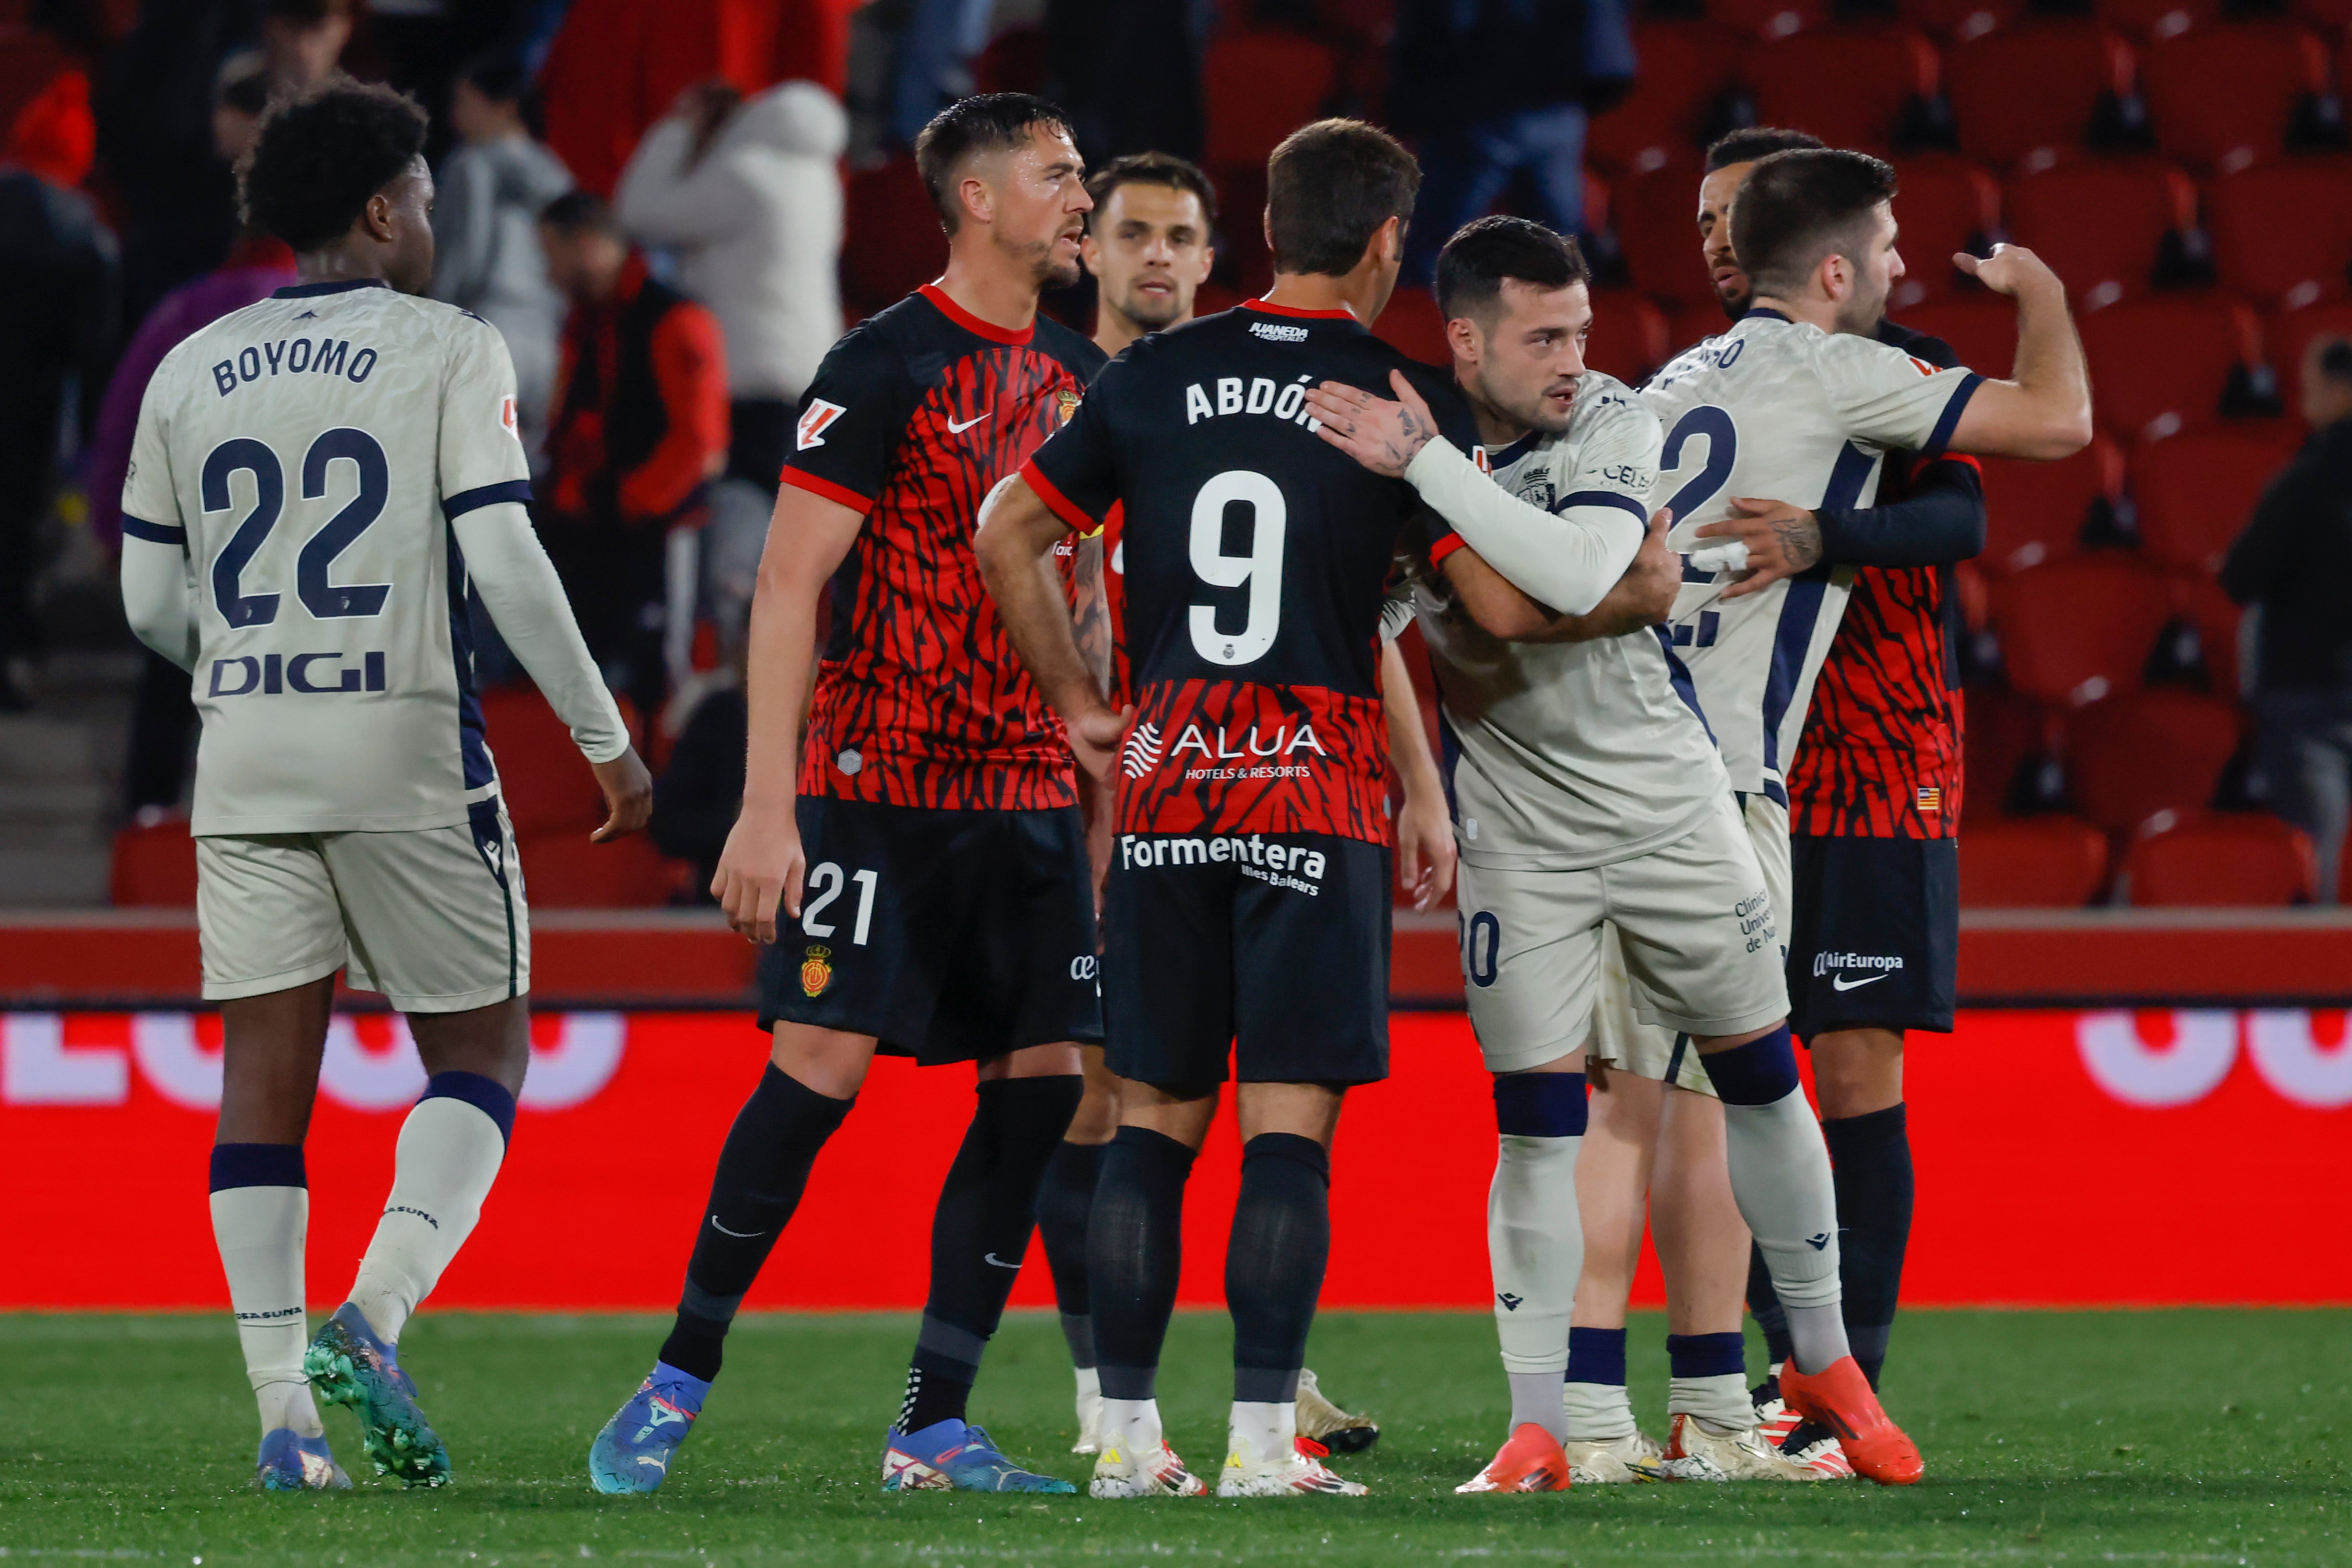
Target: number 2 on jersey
(1722,437)
(1260,568)
(325,600)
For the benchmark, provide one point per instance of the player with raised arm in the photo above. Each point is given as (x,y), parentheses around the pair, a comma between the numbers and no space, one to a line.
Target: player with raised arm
(915,865)
(315,481)
(1148,246)
(1589,799)
(1247,915)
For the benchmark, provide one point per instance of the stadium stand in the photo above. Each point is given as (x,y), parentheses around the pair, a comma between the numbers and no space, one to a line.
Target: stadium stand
(2075,631)
(891,240)
(2287,334)
(1959,18)
(2307,257)
(154,865)
(1888,74)
(1629,336)
(565,871)
(2196,489)
(2037,511)
(1687,66)
(2223,96)
(2214,618)
(2101,224)
(2131,757)
(2168,358)
(2147,19)
(1769,18)
(2002,734)
(548,789)
(1258,87)
(1412,324)
(2221,859)
(1655,209)
(1947,204)
(2032,862)
(2043,83)
(1983,331)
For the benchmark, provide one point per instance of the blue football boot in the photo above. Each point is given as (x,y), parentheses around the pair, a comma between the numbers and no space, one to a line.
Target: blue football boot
(347,1364)
(949,1455)
(632,1454)
(292,1463)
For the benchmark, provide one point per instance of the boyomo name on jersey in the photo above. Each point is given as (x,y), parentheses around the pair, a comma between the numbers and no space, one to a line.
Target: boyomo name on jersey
(293,356)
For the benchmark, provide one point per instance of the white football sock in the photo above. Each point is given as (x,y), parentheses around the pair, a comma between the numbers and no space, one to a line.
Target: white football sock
(1132,1426)
(1089,1382)
(260,1232)
(1535,1244)
(449,1155)
(1780,1177)
(1721,1401)
(1271,1429)
(1597,1411)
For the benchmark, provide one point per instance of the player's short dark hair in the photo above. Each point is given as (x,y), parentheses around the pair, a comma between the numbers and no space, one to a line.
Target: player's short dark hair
(984,122)
(242,83)
(1481,253)
(320,156)
(1796,207)
(1756,142)
(305,13)
(499,76)
(1329,188)
(579,212)
(1152,169)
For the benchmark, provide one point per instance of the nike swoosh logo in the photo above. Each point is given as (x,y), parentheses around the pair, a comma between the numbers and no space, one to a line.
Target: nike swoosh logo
(991,1257)
(738,1235)
(956,429)
(1838,982)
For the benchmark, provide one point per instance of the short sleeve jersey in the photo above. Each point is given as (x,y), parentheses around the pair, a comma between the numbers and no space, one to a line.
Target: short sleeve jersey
(1880,754)
(1779,409)
(914,416)
(1255,556)
(309,452)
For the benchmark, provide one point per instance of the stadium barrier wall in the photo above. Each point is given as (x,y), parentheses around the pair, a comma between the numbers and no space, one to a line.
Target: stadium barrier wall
(2066,1157)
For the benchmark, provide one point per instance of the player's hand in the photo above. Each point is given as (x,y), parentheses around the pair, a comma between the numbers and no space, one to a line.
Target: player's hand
(1095,737)
(1656,575)
(1425,850)
(2010,269)
(1382,436)
(761,865)
(1781,539)
(629,795)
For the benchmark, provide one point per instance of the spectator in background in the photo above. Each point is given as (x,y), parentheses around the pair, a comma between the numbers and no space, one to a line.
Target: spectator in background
(1488,89)
(639,427)
(162,717)
(486,255)
(59,287)
(746,191)
(2290,564)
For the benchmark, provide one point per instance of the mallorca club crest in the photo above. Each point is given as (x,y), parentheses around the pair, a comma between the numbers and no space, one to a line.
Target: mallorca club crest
(1066,402)
(816,969)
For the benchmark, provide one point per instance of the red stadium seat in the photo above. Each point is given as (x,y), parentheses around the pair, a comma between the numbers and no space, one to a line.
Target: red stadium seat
(1686,68)
(2036,512)
(2146,19)
(1258,87)
(2329,16)
(2215,617)
(1849,85)
(1769,18)
(2163,748)
(1692,325)
(1981,329)
(2100,223)
(2002,733)
(2168,358)
(2033,86)
(1945,204)
(1412,324)
(891,241)
(1657,226)
(2196,489)
(2287,336)
(1629,336)
(1959,18)
(2222,96)
(565,871)
(2031,862)
(154,864)
(2283,231)
(2238,858)
(2075,631)
(546,783)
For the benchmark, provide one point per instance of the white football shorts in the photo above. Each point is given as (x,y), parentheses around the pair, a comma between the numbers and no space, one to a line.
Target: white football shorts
(1701,947)
(1619,1038)
(434,918)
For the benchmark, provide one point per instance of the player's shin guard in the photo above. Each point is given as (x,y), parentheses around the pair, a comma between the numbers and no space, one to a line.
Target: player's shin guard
(979,1233)
(1535,1239)
(449,1151)
(261,1211)
(1274,1265)
(1781,1177)
(1063,1207)
(1872,1164)
(763,1168)
(1134,1251)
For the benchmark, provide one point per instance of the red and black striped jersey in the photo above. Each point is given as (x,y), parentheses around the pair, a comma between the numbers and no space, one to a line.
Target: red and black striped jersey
(1253,558)
(914,416)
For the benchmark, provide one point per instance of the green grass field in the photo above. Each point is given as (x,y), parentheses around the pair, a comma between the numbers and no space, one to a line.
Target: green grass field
(2186,1437)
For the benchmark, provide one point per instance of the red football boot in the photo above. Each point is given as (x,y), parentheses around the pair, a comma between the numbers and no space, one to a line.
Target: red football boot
(1531,1462)
(1841,1398)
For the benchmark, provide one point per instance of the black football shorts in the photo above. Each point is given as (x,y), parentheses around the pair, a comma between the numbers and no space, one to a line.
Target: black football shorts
(1874,941)
(947,935)
(1271,950)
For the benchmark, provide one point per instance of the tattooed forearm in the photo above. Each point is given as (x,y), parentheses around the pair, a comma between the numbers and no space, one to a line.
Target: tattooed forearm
(1090,611)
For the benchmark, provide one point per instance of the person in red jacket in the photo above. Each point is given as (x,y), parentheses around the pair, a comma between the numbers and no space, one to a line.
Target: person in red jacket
(640,424)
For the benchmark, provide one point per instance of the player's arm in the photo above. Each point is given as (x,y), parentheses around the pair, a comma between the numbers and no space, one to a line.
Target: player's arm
(2043,410)
(808,535)
(1015,545)
(1424,829)
(158,599)
(1090,623)
(1642,597)
(1940,522)
(1568,559)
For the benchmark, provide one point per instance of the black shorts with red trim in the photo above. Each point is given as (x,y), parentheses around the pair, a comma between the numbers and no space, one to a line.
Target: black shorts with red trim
(1261,957)
(949,936)
(1874,938)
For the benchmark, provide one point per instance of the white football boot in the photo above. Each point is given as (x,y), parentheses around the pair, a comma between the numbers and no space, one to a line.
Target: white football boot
(1298,1473)
(1635,1458)
(1135,1470)
(1696,1451)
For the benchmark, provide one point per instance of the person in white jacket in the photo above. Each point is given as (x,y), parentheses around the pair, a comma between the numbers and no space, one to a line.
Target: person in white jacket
(747,193)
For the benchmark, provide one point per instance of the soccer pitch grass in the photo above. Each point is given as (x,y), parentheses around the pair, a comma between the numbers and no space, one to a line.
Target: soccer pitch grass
(2175,1436)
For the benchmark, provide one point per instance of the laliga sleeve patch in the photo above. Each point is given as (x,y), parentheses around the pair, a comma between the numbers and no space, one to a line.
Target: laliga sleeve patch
(813,421)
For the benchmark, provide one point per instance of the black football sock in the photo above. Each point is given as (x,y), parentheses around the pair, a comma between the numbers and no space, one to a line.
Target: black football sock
(1135,1249)
(763,1167)
(1062,1205)
(1274,1267)
(979,1233)
(1765,1307)
(1871,1156)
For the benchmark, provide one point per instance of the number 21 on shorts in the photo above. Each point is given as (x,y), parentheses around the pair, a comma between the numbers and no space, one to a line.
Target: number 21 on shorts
(825,882)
